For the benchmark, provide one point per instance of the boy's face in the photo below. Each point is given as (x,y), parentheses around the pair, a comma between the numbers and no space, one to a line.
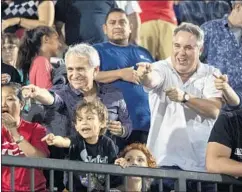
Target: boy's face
(88,124)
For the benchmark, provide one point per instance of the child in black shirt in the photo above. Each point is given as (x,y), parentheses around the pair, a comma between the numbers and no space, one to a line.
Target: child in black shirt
(90,145)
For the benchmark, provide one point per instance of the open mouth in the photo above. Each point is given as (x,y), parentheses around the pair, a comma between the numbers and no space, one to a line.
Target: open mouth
(4,110)
(85,130)
(182,60)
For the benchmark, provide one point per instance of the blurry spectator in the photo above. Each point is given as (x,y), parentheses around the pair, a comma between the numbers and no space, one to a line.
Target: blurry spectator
(133,10)
(9,74)
(137,155)
(199,12)
(224,150)
(118,59)
(184,103)
(20,138)
(10,47)
(83,19)
(27,14)
(37,47)
(158,23)
(89,144)
(223,46)
(229,95)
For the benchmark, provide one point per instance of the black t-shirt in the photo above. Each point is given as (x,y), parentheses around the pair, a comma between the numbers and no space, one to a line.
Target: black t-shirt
(103,151)
(15,77)
(83,19)
(228,131)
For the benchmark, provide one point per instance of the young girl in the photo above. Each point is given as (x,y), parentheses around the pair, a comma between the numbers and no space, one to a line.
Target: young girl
(90,144)
(36,48)
(136,154)
(20,138)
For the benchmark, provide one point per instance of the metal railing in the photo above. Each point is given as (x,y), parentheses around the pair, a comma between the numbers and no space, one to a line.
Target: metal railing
(72,166)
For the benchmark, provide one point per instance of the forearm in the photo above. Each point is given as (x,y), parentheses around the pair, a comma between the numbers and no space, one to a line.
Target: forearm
(63,142)
(231,98)
(223,165)
(204,107)
(45,97)
(150,80)
(28,149)
(134,19)
(109,76)
(33,23)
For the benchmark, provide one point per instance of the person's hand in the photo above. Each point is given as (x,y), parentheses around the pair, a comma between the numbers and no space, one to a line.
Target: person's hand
(115,128)
(30,91)
(143,70)
(10,22)
(221,82)
(175,94)
(5,78)
(121,162)
(51,139)
(9,122)
(130,75)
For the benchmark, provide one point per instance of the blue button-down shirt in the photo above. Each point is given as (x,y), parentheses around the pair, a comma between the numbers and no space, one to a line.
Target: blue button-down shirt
(222,50)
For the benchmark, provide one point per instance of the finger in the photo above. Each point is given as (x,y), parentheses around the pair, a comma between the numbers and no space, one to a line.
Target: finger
(224,78)
(114,122)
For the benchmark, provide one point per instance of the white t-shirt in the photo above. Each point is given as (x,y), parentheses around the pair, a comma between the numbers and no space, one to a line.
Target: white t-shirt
(178,135)
(129,6)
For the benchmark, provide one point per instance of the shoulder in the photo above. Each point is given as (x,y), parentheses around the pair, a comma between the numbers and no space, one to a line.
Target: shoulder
(208,69)
(40,59)
(105,139)
(31,127)
(99,46)
(212,25)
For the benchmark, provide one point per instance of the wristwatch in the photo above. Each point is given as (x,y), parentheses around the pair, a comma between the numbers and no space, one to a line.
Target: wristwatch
(186,97)
(20,139)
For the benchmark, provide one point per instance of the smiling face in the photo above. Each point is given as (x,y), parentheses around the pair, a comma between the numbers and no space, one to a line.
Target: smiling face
(79,73)
(10,102)
(88,124)
(185,53)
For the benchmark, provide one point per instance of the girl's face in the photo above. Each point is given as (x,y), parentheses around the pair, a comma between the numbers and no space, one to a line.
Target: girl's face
(136,157)
(9,52)
(53,43)
(10,102)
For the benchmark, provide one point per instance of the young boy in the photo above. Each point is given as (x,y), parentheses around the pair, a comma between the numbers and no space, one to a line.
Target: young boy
(90,145)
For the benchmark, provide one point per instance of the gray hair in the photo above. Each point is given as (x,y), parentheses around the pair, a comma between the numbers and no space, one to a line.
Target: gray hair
(83,49)
(193,29)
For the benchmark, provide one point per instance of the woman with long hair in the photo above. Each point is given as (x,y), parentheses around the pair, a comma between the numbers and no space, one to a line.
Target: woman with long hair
(136,154)
(36,48)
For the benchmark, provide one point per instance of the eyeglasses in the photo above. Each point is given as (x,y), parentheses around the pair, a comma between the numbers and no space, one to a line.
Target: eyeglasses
(10,47)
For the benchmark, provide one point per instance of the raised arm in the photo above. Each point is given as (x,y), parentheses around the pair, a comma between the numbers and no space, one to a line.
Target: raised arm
(39,94)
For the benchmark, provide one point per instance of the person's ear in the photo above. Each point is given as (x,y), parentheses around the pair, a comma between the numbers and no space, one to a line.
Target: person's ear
(105,29)
(201,49)
(45,39)
(96,70)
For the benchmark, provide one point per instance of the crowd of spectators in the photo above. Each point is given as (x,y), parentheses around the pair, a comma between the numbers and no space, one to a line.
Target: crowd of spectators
(133,83)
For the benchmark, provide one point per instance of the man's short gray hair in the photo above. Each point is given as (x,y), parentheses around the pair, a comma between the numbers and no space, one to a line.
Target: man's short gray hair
(191,28)
(83,49)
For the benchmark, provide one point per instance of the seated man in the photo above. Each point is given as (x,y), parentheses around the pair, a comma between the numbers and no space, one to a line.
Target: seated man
(224,150)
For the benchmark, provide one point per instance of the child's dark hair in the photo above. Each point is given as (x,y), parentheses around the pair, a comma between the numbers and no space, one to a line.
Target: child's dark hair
(17,88)
(30,47)
(97,106)
(10,38)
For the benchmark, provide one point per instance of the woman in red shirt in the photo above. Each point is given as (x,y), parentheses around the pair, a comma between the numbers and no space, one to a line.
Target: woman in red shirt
(36,48)
(20,138)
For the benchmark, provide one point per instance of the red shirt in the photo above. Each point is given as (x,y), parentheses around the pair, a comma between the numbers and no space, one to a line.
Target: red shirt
(40,72)
(32,132)
(154,10)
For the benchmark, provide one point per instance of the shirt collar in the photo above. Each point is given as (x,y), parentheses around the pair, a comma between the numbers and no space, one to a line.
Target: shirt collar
(225,21)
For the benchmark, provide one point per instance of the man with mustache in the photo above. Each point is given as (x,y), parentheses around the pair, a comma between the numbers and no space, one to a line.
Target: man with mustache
(117,70)
(184,103)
